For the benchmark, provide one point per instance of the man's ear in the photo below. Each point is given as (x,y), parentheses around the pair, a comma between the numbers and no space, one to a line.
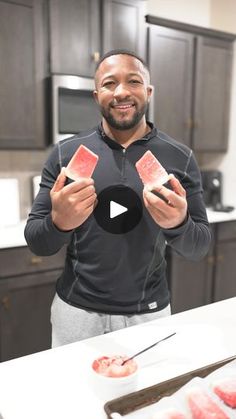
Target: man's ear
(95,95)
(150,89)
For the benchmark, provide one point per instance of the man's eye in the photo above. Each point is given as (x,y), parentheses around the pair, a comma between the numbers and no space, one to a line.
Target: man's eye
(108,83)
(134,81)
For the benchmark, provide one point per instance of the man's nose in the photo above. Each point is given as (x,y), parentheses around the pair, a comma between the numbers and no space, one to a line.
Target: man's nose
(121,90)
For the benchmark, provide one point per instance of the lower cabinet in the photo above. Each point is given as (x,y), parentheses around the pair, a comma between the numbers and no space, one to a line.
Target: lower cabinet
(25,301)
(190,283)
(194,284)
(225,262)
(27,288)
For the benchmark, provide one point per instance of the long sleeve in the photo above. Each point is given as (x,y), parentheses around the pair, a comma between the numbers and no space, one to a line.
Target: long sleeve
(41,235)
(192,239)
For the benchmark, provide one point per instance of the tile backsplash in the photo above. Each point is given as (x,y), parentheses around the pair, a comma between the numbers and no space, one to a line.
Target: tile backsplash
(9,208)
(23,165)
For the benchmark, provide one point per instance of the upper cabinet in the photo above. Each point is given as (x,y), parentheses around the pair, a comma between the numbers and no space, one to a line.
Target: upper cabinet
(82,30)
(170,57)
(190,66)
(191,73)
(123,25)
(211,105)
(23,48)
(40,37)
(75,40)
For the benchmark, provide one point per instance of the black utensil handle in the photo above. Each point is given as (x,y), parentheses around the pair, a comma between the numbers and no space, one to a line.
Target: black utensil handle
(149,347)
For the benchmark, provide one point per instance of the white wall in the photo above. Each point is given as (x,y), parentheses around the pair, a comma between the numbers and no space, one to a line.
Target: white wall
(196,12)
(221,15)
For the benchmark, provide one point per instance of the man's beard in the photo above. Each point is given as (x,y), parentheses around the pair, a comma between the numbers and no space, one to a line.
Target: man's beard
(124,125)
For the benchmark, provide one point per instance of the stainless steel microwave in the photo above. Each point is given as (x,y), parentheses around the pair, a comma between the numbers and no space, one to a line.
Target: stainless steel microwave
(73,106)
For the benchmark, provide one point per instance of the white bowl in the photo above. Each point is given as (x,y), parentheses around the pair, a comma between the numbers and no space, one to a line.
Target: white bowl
(110,387)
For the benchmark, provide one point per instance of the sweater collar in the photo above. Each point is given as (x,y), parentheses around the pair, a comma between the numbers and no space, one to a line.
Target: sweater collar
(115,145)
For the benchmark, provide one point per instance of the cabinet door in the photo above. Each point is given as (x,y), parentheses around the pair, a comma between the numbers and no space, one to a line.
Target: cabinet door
(190,283)
(25,303)
(212,94)
(75,36)
(225,277)
(22,74)
(123,25)
(170,56)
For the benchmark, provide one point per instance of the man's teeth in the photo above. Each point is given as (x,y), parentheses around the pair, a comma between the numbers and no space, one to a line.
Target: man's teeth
(123,106)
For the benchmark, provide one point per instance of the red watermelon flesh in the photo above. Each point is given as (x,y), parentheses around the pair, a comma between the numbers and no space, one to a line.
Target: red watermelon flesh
(151,171)
(112,366)
(226,390)
(202,406)
(82,163)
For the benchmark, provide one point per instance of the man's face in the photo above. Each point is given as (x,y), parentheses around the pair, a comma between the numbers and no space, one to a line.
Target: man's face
(122,91)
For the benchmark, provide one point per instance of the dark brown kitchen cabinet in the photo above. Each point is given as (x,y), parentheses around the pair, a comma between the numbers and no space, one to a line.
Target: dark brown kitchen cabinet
(193,284)
(27,287)
(191,73)
(82,30)
(123,25)
(225,264)
(211,104)
(170,57)
(23,52)
(190,283)
(75,38)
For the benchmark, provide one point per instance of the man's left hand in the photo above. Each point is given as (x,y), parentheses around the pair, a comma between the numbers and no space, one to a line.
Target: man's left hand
(169,213)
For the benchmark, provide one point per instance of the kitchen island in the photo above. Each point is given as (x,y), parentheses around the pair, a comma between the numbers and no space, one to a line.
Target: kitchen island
(55,384)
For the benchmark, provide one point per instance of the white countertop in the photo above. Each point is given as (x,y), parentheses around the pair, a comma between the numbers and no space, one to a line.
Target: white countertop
(218,217)
(13,236)
(54,384)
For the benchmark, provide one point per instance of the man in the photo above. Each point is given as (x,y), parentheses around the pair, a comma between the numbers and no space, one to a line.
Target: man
(114,273)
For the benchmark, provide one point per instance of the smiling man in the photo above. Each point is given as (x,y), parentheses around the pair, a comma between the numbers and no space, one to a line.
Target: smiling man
(123,91)
(115,268)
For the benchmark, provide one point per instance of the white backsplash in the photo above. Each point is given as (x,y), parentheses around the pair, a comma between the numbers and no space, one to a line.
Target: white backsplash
(10,202)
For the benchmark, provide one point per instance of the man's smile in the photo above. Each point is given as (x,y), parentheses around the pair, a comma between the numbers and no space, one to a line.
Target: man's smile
(123,106)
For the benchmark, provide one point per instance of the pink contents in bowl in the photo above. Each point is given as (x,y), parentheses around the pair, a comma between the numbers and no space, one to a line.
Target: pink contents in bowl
(112,366)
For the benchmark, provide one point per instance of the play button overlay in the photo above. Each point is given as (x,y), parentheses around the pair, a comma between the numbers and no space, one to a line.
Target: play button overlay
(116,209)
(119,209)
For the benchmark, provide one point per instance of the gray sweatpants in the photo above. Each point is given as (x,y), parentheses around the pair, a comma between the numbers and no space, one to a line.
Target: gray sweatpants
(71,324)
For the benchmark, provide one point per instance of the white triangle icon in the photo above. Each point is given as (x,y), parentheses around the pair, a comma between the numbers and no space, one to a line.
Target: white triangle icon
(116,209)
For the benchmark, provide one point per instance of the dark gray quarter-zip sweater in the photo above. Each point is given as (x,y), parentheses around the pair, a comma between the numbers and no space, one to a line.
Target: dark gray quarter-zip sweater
(119,273)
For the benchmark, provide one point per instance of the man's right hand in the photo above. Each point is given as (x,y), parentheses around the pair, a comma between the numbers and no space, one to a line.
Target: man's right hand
(72,204)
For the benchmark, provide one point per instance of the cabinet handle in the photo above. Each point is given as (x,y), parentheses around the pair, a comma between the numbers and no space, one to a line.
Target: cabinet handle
(220,258)
(189,123)
(196,124)
(6,302)
(36,260)
(96,56)
(211,260)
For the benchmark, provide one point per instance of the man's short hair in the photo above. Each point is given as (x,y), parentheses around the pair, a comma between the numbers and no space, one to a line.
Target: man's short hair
(119,52)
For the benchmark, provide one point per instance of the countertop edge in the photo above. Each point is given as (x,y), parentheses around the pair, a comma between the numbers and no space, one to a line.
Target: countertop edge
(13,236)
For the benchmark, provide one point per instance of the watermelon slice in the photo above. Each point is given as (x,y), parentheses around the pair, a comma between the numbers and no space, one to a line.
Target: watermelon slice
(226,390)
(151,171)
(112,366)
(82,163)
(202,406)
